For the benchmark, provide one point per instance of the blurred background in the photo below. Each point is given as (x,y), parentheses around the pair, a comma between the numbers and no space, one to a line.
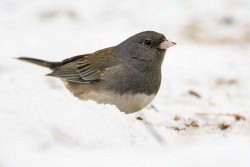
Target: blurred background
(202,108)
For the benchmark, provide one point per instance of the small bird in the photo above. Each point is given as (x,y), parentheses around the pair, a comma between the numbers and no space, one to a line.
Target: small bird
(127,75)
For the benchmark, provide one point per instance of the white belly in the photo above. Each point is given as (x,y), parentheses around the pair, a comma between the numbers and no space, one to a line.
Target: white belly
(126,103)
(132,103)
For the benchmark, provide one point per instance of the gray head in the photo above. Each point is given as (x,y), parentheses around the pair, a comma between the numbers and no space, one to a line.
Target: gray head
(147,46)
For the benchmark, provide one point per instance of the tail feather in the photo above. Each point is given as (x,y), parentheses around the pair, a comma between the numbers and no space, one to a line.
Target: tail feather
(51,65)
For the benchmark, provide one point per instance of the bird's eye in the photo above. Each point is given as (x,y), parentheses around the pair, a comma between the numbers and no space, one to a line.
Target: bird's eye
(147,42)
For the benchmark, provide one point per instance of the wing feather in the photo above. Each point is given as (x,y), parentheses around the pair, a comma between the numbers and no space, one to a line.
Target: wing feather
(86,68)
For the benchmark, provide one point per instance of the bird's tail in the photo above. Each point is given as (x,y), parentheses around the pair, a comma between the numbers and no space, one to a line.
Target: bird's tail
(51,65)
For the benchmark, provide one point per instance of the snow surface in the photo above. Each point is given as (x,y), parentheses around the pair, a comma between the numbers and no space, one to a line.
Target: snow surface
(201,116)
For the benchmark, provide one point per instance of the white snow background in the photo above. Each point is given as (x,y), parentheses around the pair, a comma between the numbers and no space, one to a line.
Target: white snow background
(202,111)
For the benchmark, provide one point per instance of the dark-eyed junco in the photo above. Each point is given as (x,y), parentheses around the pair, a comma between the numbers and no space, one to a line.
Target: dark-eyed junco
(127,75)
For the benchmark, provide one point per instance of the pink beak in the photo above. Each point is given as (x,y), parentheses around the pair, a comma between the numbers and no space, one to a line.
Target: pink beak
(166,44)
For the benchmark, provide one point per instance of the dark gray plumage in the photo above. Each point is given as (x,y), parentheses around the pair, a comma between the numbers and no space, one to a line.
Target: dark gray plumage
(127,75)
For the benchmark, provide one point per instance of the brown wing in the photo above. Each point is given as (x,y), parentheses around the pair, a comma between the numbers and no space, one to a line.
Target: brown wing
(86,68)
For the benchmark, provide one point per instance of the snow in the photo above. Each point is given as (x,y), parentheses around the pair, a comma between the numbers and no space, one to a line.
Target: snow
(200,116)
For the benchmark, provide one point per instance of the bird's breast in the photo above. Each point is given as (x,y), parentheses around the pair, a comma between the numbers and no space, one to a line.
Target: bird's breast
(128,80)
